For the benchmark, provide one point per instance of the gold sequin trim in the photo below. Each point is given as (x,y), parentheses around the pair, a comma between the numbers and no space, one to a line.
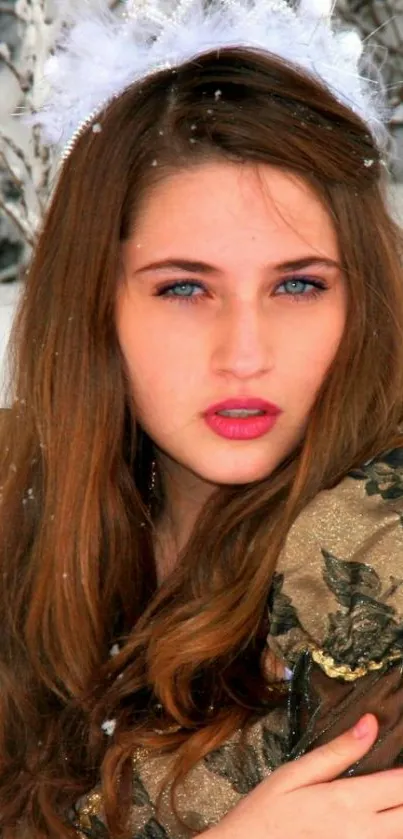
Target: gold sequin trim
(91,807)
(349,674)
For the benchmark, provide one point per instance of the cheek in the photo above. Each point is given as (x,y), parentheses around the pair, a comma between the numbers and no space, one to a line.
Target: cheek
(307,358)
(157,366)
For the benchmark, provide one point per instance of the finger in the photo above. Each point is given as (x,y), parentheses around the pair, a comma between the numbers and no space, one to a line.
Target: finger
(389,825)
(328,762)
(374,793)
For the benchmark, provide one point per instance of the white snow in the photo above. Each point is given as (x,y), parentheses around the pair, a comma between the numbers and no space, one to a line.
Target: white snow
(109,727)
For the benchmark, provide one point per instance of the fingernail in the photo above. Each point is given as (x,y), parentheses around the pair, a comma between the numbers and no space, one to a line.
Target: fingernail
(362,729)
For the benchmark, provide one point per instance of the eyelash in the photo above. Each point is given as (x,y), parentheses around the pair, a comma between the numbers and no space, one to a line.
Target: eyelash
(317,289)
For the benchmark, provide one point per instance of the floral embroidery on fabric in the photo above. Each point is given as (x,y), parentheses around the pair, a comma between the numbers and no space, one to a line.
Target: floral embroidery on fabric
(383,476)
(243,775)
(283,615)
(152,830)
(275,748)
(336,597)
(94,829)
(141,797)
(366,623)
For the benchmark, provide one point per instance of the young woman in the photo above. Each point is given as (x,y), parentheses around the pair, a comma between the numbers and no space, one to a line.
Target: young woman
(201,469)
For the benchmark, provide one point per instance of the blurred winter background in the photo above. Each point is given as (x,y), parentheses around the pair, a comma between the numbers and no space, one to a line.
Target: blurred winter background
(28,29)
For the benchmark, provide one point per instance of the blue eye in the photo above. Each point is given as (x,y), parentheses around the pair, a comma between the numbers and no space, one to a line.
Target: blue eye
(299,287)
(186,291)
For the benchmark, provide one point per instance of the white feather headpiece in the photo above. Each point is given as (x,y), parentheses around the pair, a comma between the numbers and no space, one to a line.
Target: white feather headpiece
(102,54)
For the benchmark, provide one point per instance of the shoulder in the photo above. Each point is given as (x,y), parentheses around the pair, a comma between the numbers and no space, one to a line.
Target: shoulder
(338,586)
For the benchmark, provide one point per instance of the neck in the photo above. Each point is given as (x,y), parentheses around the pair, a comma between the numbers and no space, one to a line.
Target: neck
(184,496)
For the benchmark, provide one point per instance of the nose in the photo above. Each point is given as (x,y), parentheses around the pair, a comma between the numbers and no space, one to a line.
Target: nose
(243,347)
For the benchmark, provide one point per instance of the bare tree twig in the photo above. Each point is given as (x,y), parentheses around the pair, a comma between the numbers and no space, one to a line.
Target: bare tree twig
(24,228)
(382,25)
(17,151)
(11,171)
(375,14)
(17,181)
(23,83)
(20,155)
(378,23)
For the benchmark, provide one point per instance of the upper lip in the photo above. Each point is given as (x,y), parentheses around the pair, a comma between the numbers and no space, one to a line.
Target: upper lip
(247,403)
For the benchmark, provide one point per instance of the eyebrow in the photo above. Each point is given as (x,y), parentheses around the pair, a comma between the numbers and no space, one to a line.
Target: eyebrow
(193,267)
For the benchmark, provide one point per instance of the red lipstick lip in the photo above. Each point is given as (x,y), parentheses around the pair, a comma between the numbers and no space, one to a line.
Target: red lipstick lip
(250,404)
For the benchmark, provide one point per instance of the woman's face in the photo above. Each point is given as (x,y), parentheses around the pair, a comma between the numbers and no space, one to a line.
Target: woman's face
(232,290)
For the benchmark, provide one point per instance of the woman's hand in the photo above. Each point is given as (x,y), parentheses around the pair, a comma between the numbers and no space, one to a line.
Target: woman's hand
(303,800)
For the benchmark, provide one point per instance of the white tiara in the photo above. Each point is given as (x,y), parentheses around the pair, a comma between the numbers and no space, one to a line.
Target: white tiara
(101,54)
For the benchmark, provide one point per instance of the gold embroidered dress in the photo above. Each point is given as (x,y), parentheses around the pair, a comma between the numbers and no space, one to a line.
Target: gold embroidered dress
(336,617)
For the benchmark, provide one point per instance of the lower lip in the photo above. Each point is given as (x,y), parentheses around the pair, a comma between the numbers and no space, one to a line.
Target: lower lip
(247,428)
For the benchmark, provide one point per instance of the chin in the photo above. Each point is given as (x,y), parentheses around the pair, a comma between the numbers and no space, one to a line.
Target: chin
(234,476)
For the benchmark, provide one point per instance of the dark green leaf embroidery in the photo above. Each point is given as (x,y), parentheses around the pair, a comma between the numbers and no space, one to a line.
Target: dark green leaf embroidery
(97,829)
(282,614)
(140,795)
(196,821)
(275,748)
(394,458)
(240,770)
(365,628)
(347,580)
(152,830)
(383,475)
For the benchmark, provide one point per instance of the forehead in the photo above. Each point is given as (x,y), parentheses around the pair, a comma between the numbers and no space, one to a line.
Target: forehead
(218,208)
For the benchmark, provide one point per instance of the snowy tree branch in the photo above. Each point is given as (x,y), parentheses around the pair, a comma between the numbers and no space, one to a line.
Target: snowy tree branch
(5,59)
(17,151)
(13,213)
(14,175)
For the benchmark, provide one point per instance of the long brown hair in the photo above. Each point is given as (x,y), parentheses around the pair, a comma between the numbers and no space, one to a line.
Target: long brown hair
(77,564)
